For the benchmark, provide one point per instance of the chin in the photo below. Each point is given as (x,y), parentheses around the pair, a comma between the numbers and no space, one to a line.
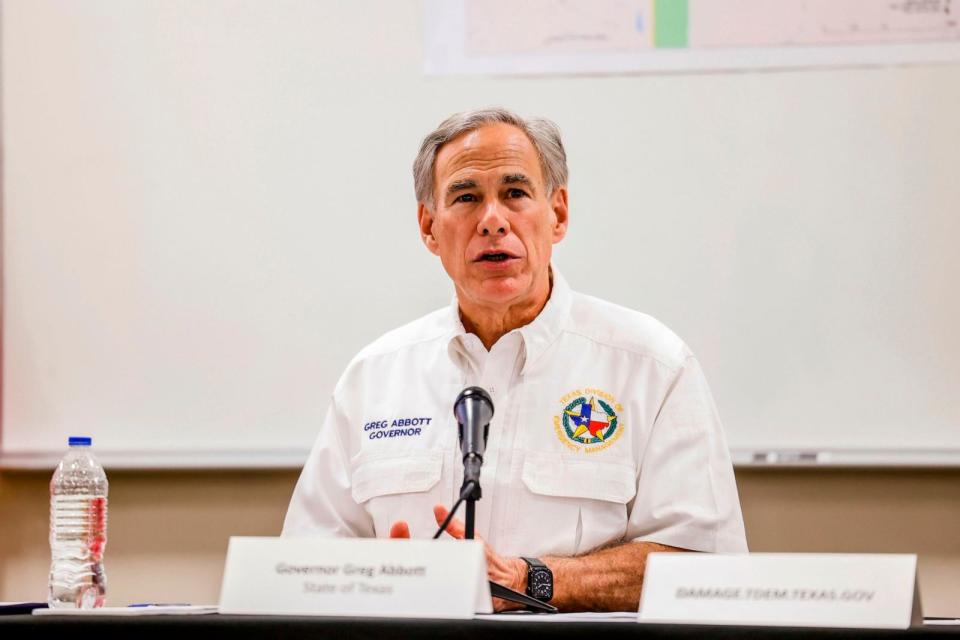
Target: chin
(501,290)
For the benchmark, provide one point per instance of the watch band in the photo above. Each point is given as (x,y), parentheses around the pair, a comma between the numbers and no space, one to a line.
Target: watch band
(534,563)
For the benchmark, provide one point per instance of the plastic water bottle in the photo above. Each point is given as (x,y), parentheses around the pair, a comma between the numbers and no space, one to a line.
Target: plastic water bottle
(78,530)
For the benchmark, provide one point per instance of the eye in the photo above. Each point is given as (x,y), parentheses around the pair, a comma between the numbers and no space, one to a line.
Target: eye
(516,193)
(465,197)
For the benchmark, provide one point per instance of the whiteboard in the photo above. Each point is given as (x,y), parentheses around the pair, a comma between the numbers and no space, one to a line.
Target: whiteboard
(208,209)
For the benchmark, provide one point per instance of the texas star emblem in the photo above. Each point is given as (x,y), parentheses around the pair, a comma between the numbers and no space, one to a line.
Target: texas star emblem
(589,420)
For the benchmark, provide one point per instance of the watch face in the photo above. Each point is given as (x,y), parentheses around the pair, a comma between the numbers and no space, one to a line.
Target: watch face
(541,584)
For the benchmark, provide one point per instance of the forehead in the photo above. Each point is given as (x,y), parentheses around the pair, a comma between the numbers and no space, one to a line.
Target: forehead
(493,147)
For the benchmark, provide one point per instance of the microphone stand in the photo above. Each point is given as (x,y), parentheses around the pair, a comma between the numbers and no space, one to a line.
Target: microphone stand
(470,517)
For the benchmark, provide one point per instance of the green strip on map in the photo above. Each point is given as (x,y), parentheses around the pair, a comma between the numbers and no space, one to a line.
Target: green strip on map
(670,26)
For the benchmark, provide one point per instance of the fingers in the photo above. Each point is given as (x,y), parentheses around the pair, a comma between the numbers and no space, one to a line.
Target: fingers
(400,529)
(455,528)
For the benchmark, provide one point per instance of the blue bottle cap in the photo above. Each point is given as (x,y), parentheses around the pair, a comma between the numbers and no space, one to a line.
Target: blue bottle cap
(80,441)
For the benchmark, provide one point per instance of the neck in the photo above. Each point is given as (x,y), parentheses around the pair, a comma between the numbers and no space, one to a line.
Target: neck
(492,323)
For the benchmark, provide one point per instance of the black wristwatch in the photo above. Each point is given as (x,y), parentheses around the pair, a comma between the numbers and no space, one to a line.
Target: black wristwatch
(539,580)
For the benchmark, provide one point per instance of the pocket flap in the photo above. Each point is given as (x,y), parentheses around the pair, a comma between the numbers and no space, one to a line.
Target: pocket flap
(553,475)
(410,472)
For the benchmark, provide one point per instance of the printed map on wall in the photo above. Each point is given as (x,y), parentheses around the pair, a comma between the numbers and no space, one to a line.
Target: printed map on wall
(575,36)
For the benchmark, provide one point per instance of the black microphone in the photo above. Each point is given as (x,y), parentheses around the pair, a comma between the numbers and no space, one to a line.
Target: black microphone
(473,409)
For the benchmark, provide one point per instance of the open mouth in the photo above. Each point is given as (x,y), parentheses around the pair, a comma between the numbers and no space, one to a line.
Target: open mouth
(495,257)
(494,254)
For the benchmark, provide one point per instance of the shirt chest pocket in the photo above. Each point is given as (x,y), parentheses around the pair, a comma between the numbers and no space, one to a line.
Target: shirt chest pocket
(394,487)
(581,504)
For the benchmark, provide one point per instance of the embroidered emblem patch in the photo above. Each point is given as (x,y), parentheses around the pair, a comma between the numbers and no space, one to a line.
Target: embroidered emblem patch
(589,420)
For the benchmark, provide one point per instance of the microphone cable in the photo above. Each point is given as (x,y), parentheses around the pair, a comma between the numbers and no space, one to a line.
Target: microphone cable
(464,492)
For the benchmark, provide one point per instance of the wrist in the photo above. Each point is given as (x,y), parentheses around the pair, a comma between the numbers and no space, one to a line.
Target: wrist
(520,571)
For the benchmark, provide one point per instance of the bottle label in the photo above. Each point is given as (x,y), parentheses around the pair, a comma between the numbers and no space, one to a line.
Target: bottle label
(98,522)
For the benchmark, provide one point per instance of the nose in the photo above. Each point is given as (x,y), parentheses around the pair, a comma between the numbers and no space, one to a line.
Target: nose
(493,220)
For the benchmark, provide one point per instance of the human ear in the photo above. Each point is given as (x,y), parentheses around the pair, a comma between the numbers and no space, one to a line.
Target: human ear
(425,221)
(561,213)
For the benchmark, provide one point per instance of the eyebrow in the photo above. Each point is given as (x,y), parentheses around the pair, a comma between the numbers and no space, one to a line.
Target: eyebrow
(461,185)
(516,178)
(519,178)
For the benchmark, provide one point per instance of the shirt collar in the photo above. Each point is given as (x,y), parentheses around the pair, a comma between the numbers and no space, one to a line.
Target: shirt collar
(537,336)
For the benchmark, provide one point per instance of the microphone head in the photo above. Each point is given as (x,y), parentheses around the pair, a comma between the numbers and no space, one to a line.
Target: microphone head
(473,410)
(478,400)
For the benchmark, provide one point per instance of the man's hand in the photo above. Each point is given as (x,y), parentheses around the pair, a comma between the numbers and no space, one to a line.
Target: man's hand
(510,572)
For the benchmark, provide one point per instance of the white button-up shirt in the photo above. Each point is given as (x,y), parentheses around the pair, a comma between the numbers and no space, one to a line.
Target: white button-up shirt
(604,431)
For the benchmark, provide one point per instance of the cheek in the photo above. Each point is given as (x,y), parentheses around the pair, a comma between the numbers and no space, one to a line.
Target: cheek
(539,239)
(452,243)
(442,233)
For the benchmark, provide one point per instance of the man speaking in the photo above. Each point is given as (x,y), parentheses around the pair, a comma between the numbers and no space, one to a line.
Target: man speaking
(605,444)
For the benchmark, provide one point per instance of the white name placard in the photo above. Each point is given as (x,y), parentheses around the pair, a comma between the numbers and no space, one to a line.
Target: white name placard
(355,577)
(808,590)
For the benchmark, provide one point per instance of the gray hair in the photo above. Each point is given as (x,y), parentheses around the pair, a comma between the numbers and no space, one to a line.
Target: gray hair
(543,134)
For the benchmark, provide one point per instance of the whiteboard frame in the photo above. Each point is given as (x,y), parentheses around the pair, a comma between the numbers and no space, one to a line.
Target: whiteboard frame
(294,459)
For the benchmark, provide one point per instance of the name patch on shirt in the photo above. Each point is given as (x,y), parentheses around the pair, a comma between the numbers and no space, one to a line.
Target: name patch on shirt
(396,428)
(588,420)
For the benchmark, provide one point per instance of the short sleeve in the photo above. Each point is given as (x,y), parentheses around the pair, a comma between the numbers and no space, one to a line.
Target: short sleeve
(322,503)
(686,490)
